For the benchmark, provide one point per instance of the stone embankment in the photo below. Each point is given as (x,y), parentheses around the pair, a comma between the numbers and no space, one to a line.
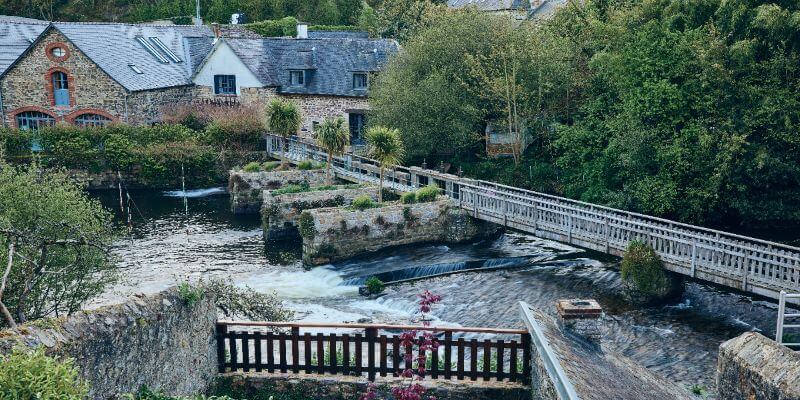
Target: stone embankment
(246,188)
(158,341)
(752,366)
(279,213)
(331,234)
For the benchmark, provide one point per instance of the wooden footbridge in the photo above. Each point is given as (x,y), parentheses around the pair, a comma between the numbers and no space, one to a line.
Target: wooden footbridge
(744,263)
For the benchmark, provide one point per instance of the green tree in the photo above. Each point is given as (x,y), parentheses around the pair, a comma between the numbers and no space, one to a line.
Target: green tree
(386,147)
(368,20)
(30,374)
(283,118)
(333,137)
(54,244)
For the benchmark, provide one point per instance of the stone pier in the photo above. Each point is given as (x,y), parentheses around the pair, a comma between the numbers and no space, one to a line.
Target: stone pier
(331,234)
(246,188)
(279,213)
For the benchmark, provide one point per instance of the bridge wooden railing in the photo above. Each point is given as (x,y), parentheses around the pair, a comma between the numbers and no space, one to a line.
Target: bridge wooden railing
(371,350)
(745,263)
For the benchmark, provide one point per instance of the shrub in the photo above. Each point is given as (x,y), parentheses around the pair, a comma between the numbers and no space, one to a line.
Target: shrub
(408,198)
(374,285)
(26,374)
(642,266)
(363,202)
(292,188)
(270,165)
(189,294)
(286,26)
(308,165)
(252,167)
(408,215)
(428,193)
(235,301)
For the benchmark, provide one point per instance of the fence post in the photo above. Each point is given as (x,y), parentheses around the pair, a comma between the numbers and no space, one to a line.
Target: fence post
(606,234)
(222,331)
(694,257)
(781,312)
(371,334)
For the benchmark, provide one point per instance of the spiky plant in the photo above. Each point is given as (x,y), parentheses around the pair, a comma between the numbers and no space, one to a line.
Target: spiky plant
(333,137)
(283,118)
(385,146)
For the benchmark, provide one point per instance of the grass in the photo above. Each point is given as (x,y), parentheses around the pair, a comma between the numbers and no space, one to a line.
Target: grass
(304,187)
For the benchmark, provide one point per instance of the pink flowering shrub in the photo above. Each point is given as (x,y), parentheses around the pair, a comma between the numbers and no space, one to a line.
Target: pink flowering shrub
(409,388)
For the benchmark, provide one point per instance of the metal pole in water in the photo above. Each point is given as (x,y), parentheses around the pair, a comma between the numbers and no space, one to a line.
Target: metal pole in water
(119,186)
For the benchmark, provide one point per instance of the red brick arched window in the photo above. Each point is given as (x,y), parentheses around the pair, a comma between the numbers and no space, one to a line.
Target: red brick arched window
(59,86)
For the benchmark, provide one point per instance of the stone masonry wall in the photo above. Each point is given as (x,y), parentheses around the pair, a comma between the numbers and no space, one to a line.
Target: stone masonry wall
(313,108)
(751,366)
(279,213)
(339,233)
(246,188)
(28,85)
(156,340)
(146,107)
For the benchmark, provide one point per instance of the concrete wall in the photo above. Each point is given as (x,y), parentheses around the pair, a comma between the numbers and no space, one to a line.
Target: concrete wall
(156,340)
(246,188)
(339,233)
(279,213)
(754,367)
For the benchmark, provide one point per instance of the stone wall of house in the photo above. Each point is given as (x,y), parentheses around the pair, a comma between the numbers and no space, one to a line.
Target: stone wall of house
(158,341)
(279,213)
(28,85)
(246,188)
(752,366)
(261,386)
(331,234)
(146,107)
(314,108)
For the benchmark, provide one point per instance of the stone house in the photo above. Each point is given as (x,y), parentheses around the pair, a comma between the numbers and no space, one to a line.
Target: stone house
(326,74)
(95,73)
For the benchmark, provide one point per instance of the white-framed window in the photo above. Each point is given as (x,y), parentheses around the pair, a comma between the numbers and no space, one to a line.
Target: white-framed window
(360,80)
(90,119)
(297,78)
(224,84)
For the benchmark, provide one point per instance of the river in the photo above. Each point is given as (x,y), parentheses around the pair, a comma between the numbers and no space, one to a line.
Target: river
(171,242)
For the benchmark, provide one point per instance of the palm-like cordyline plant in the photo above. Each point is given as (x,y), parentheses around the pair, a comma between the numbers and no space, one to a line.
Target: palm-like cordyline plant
(283,118)
(386,147)
(333,137)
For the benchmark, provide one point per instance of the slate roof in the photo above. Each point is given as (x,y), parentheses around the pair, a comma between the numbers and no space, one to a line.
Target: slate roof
(16,35)
(490,5)
(113,47)
(329,62)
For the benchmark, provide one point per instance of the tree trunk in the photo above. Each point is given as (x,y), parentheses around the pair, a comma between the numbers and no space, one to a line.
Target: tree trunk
(3,309)
(328,170)
(284,151)
(380,187)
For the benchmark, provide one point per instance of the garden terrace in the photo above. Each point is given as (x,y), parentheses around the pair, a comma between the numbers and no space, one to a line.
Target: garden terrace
(744,263)
(279,212)
(246,188)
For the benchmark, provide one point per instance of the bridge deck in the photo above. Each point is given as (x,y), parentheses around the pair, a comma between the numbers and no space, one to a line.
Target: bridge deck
(744,263)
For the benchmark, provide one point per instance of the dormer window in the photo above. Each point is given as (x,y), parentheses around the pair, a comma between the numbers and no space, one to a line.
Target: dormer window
(225,84)
(360,80)
(297,78)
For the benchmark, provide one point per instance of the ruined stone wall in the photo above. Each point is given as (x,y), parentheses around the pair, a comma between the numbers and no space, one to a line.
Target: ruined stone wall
(331,234)
(157,341)
(246,188)
(28,85)
(279,213)
(752,366)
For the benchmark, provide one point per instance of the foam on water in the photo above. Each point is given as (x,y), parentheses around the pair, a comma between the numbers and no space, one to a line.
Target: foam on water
(195,192)
(300,284)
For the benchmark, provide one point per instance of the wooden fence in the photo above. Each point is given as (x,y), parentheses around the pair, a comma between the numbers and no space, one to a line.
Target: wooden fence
(371,350)
(740,262)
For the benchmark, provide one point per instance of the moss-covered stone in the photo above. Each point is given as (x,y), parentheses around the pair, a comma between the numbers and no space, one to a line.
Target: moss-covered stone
(645,281)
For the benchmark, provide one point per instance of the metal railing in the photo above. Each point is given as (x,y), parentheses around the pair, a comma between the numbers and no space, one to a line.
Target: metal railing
(782,315)
(745,263)
(373,350)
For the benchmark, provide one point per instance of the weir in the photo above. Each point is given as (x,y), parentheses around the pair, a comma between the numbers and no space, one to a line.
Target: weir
(740,262)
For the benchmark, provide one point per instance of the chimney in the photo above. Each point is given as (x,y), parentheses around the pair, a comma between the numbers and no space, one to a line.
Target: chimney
(302,31)
(581,317)
(215,28)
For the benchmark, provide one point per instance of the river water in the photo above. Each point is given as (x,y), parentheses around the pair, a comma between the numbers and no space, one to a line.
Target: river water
(172,242)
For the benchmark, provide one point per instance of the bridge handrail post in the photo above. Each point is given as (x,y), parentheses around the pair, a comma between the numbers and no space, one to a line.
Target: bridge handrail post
(694,257)
(781,312)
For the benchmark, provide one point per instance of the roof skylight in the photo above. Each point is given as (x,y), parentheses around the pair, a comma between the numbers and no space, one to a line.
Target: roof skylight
(152,50)
(136,69)
(161,46)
